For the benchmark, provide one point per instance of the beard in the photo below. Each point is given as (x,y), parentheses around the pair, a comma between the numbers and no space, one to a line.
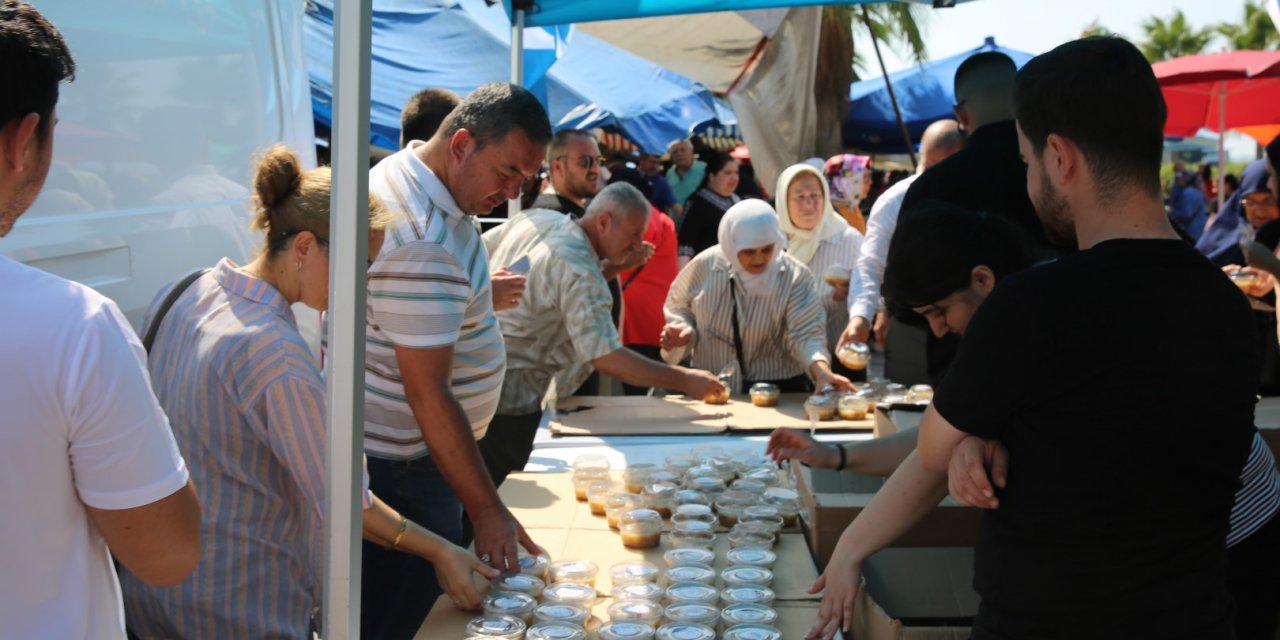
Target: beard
(1054,213)
(18,202)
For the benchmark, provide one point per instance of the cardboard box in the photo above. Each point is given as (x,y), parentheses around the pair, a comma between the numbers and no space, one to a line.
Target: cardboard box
(916,594)
(827,512)
(677,415)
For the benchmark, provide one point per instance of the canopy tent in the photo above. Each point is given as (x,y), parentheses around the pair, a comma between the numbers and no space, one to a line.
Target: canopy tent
(925,95)
(461,44)
(550,12)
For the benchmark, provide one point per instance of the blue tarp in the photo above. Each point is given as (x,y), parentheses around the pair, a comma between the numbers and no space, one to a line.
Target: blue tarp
(461,44)
(925,94)
(551,12)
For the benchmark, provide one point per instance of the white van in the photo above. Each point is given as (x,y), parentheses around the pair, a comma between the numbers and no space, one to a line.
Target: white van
(156,137)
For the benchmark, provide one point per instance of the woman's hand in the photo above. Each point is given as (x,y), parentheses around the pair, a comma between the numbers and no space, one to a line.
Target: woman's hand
(842,581)
(976,465)
(676,336)
(793,444)
(454,567)
(840,293)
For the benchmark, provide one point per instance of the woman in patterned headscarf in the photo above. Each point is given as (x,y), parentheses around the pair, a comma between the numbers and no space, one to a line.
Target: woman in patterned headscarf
(849,177)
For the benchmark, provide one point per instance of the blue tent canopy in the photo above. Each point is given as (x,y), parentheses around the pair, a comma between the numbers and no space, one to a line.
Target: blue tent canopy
(925,95)
(551,12)
(461,44)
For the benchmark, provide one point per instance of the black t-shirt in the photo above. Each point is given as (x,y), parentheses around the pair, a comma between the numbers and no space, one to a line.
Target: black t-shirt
(557,202)
(1127,426)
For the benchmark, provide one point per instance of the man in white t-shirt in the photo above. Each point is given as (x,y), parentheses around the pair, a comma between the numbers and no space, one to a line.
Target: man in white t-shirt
(88,466)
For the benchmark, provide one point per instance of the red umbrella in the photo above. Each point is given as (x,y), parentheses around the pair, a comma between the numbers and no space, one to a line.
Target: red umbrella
(1219,92)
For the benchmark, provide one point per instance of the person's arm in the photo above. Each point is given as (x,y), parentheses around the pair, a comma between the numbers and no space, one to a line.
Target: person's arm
(938,439)
(874,457)
(870,268)
(295,431)
(157,542)
(428,386)
(636,259)
(637,370)
(904,500)
(805,322)
(680,336)
(1259,257)
(453,564)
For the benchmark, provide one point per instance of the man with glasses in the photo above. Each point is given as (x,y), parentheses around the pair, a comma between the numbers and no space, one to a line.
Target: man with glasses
(574,161)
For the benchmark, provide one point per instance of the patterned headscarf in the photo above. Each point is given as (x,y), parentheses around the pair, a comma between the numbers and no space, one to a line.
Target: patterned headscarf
(845,177)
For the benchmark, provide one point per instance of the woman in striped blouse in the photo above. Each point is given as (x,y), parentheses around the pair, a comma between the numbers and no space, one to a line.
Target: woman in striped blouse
(246,403)
(746,303)
(822,240)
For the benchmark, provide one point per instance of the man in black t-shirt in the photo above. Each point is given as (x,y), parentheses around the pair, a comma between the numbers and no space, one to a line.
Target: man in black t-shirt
(1126,426)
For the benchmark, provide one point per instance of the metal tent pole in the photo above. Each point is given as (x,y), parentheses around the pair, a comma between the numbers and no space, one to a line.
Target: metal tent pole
(1222,144)
(517,77)
(349,248)
(906,135)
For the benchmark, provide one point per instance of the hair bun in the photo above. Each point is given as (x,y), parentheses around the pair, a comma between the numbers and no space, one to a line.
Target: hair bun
(278,174)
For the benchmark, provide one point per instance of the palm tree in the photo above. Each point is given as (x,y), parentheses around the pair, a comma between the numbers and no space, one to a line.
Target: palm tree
(1095,28)
(897,24)
(1172,38)
(1255,32)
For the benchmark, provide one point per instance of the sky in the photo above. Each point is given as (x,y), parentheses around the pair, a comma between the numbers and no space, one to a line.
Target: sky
(1035,26)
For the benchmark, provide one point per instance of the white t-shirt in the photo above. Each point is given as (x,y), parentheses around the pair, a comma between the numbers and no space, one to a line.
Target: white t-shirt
(80,426)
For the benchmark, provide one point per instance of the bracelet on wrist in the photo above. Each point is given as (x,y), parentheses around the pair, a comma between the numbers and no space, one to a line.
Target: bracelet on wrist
(843,461)
(404,525)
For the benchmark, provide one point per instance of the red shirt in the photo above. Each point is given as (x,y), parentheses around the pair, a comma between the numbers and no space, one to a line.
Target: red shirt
(644,295)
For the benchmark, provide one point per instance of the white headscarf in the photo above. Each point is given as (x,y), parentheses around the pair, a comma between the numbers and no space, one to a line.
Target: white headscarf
(747,225)
(804,243)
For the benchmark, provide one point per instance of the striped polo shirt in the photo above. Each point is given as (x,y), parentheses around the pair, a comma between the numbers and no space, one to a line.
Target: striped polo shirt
(428,289)
(246,403)
(783,330)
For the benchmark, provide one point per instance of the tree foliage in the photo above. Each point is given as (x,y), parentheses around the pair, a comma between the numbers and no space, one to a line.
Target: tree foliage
(1254,32)
(1173,37)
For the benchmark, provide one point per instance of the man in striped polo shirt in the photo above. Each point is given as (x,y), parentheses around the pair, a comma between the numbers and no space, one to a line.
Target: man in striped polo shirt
(435,357)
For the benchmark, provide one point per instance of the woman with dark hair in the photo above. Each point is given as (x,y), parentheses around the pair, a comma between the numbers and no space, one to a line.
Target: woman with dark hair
(702,213)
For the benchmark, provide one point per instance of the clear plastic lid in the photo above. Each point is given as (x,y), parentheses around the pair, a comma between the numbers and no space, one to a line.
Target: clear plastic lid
(751,632)
(599,490)
(570,593)
(591,461)
(752,557)
(765,389)
(666,476)
(555,631)
(750,485)
(641,521)
(534,565)
(634,570)
(623,501)
(692,592)
(660,490)
(584,571)
(754,594)
(691,573)
(707,484)
(746,574)
(561,612)
(693,613)
(625,630)
(509,603)
(496,627)
(749,613)
(518,583)
(744,540)
(636,590)
(692,524)
(765,474)
(760,511)
(692,497)
(685,538)
(686,631)
(689,555)
(699,510)
(646,611)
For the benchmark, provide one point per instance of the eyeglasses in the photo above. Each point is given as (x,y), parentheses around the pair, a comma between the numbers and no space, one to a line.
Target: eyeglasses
(586,162)
(1265,201)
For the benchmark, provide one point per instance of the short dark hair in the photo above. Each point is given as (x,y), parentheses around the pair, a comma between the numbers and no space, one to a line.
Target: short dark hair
(496,109)
(560,141)
(424,112)
(935,248)
(36,60)
(1101,94)
(982,61)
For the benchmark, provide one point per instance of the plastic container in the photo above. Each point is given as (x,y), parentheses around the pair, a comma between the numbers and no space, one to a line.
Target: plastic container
(774,522)
(637,590)
(767,475)
(743,540)
(837,275)
(582,481)
(599,491)
(509,603)
(691,496)
(706,451)
(518,583)
(763,558)
(625,630)
(685,631)
(731,504)
(1244,279)
(693,511)
(644,611)
(555,631)
(787,501)
(689,555)
(590,461)
(535,566)
(570,593)
(851,406)
(764,394)
(579,571)
(506,627)
(725,466)
(660,497)
(713,486)
(679,463)
(693,613)
(820,408)
(637,475)
(690,573)
(854,355)
(920,393)
(751,632)
(620,503)
(692,592)
(769,530)
(665,475)
(640,528)
(702,470)
(684,538)
(748,613)
(562,613)
(740,575)
(634,570)
(750,485)
(747,594)
(760,511)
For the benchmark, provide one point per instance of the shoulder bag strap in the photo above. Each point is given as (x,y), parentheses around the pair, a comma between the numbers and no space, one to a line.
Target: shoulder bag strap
(150,337)
(737,332)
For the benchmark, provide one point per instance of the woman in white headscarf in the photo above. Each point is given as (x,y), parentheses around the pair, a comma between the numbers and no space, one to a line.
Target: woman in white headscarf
(747,304)
(823,241)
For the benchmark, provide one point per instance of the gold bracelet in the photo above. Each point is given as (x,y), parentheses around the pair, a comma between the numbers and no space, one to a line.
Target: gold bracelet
(404,524)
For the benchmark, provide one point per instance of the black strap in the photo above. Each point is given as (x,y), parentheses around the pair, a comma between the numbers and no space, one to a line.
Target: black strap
(176,291)
(737,333)
(632,278)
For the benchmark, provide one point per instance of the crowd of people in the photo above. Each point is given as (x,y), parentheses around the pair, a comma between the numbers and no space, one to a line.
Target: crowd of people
(1099,406)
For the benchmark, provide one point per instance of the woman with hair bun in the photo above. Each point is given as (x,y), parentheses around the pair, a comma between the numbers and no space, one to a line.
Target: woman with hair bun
(246,402)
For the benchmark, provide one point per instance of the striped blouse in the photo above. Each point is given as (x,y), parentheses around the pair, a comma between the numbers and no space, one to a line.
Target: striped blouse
(242,392)
(429,288)
(843,250)
(783,330)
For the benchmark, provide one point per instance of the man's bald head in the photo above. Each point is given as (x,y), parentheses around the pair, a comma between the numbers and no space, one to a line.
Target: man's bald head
(940,140)
(984,89)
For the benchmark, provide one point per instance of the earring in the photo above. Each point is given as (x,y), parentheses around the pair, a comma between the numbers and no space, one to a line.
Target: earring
(299,265)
